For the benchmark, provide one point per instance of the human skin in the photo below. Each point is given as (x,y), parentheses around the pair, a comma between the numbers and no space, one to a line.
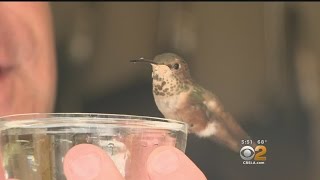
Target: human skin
(28,85)
(86,161)
(27,58)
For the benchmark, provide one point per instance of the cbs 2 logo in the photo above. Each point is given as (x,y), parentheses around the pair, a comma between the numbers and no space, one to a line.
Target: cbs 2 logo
(247,153)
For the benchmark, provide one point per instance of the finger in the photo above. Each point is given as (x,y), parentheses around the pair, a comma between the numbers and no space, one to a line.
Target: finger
(89,162)
(140,146)
(170,163)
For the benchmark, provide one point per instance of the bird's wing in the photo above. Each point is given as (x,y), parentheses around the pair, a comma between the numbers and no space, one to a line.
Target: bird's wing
(211,120)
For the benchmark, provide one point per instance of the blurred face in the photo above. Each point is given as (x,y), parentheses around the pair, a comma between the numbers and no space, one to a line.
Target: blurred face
(27,60)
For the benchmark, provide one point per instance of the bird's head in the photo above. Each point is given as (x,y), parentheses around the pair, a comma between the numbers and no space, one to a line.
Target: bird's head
(167,66)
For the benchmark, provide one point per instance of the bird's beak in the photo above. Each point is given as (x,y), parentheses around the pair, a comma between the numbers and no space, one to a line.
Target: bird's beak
(144,61)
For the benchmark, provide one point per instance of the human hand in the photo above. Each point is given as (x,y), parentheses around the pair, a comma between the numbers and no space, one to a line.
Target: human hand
(86,161)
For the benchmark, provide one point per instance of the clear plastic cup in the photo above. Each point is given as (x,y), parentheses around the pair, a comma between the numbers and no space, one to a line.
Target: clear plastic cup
(33,146)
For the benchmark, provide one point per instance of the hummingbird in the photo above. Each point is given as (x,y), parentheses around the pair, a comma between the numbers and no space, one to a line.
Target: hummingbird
(179,97)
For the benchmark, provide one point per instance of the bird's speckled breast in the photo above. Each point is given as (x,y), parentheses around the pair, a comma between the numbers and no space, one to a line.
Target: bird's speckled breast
(168,105)
(167,87)
(162,87)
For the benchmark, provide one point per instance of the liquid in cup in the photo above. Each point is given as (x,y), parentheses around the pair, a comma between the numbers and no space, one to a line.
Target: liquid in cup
(33,146)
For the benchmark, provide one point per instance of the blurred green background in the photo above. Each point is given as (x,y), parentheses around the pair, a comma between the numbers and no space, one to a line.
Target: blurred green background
(260,59)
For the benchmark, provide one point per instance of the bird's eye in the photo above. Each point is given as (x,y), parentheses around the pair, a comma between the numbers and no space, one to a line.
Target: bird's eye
(176,66)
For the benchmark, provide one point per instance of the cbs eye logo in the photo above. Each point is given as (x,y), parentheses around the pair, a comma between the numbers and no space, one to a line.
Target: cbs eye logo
(247,153)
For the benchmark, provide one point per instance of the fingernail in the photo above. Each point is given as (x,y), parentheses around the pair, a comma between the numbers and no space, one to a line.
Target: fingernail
(83,162)
(164,162)
(86,166)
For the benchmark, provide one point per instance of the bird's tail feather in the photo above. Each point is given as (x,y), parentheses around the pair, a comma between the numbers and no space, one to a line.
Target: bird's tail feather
(229,133)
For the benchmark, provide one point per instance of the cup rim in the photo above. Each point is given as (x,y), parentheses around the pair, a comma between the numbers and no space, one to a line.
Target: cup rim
(24,117)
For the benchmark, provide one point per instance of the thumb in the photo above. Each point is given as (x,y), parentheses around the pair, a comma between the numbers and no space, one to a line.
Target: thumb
(89,162)
(167,162)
